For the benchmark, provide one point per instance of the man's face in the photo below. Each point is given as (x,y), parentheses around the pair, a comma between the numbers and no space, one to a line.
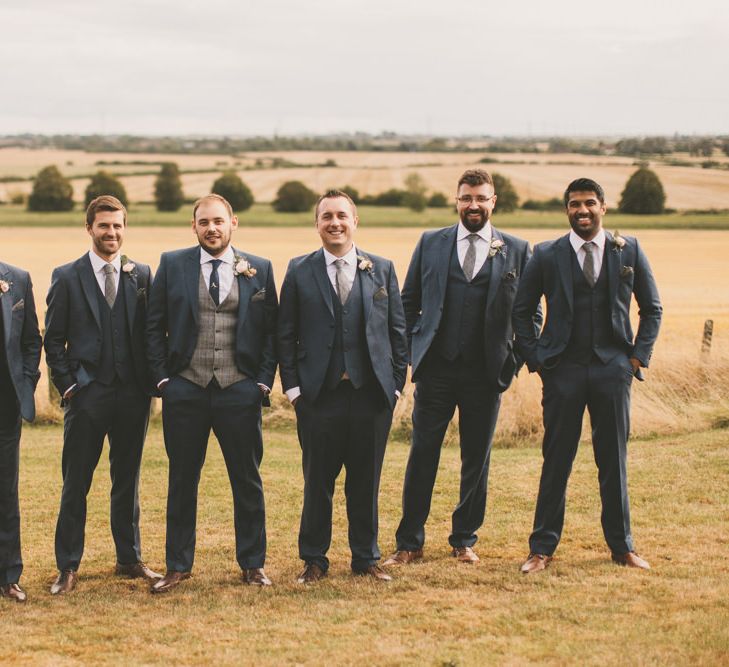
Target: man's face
(107,233)
(474,204)
(213,226)
(336,222)
(585,212)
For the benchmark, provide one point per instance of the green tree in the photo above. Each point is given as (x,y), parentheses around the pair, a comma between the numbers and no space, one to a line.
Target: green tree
(506,198)
(294,197)
(643,194)
(415,198)
(52,191)
(168,195)
(238,194)
(438,200)
(352,192)
(104,183)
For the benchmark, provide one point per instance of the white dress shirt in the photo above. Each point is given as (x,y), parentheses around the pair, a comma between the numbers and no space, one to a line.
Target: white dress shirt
(98,264)
(225,270)
(482,245)
(597,253)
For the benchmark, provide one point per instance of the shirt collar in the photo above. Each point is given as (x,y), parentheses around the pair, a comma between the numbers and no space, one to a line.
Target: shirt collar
(98,264)
(350,258)
(485,232)
(578,242)
(227,257)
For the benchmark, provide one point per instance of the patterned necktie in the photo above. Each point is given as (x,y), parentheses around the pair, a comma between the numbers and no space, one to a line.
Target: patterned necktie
(343,285)
(109,285)
(469,261)
(588,268)
(215,281)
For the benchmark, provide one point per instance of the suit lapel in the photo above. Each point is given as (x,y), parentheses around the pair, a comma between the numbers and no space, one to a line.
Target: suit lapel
(6,301)
(319,269)
(245,291)
(563,257)
(367,280)
(497,268)
(611,259)
(191,271)
(443,260)
(128,285)
(89,286)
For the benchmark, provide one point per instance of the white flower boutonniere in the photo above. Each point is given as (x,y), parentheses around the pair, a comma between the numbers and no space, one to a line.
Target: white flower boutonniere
(4,286)
(126,265)
(497,247)
(618,241)
(243,267)
(365,263)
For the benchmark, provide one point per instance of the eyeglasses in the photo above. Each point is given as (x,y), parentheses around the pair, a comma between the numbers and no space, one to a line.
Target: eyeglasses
(467,199)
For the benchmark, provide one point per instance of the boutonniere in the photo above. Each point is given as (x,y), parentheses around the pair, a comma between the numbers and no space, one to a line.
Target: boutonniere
(365,263)
(5,286)
(618,242)
(127,266)
(242,267)
(497,247)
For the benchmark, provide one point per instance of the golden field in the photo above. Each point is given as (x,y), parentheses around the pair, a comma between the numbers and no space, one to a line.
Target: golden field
(535,176)
(682,391)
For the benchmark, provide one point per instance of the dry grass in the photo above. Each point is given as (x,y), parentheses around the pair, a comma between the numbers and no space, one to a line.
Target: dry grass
(584,610)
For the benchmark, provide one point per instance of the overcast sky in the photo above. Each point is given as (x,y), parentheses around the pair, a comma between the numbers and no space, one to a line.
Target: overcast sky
(319,66)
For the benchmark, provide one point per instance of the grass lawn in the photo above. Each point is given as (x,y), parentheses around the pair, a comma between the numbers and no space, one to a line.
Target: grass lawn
(583,610)
(262,215)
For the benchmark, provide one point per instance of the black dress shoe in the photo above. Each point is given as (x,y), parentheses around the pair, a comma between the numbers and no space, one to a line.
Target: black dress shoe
(311,574)
(14,592)
(169,581)
(255,576)
(136,571)
(374,571)
(65,582)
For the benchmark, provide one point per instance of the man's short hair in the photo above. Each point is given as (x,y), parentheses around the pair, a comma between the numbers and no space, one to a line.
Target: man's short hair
(214,197)
(474,177)
(334,194)
(584,185)
(103,203)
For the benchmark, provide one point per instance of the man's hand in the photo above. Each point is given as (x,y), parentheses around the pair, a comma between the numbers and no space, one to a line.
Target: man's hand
(635,363)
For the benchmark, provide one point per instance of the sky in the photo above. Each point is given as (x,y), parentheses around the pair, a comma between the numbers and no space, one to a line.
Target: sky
(213,67)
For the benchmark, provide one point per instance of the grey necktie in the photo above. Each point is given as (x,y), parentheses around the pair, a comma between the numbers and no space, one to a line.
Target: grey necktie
(588,268)
(343,285)
(109,285)
(469,261)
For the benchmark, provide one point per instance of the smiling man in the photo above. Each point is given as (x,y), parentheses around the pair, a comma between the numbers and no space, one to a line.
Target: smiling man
(211,348)
(457,297)
(342,350)
(586,357)
(95,349)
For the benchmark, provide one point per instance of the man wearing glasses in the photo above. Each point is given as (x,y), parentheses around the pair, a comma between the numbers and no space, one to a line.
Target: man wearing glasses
(457,296)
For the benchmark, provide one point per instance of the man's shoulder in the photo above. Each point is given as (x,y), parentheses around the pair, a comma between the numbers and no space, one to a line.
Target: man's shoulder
(511,240)
(181,253)
(71,268)
(255,260)
(18,273)
(436,234)
(296,263)
(549,245)
(377,260)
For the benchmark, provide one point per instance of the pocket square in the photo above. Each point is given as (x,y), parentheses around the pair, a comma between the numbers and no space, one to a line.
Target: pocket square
(260,295)
(509,276)
(380,294)
(19,305)
(626,271)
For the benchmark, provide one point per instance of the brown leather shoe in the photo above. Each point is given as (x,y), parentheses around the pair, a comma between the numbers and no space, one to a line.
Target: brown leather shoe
(65,582)
(311,574)
(465,555)
(136,571)
(631,559)
(255,576)
(535,563)
(374,571)
(14,592)
(403,557)
(169,581)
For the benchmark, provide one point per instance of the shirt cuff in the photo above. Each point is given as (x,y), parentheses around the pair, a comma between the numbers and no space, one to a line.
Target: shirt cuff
(397,394)
(70,390)
(266,389)
(293,393)
(161,382)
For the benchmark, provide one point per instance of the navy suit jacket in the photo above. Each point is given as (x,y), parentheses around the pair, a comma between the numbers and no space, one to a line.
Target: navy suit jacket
(549,274)
(306,325)
(423,297)
(22,338)
(73,322)
(172,322)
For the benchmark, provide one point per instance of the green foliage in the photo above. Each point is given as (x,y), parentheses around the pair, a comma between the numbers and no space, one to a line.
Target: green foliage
(415,188)
(104,183)
(643,194)
(52,191)
(438,200)
(168,195)
(391,197)
(506,198)
(294,197)
(238,194)
(352,192)
(553,204)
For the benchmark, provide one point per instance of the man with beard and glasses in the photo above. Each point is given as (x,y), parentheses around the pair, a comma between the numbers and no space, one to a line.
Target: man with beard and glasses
(95,349)
(457,298)
(586,357)
(211,349)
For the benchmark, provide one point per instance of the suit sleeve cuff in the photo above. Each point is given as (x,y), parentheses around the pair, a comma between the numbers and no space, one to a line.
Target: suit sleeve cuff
(293,393)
